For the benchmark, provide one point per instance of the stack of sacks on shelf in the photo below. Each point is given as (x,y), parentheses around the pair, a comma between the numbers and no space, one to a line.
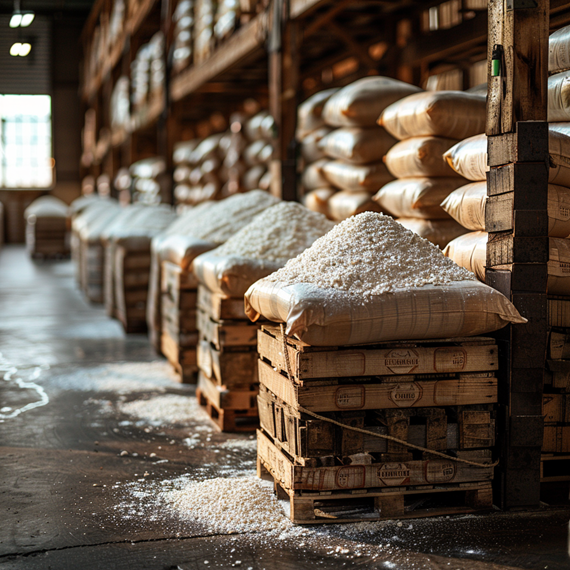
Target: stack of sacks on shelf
(172,318)
(256,155)
(120,106)
(371,282)
(355,149)
(129,247)
(228,14)
(47,227)
(427,125)
(147,175)
(116,23)
(227,356)
(183,20)
(204,18)
(148,72)
(87,226)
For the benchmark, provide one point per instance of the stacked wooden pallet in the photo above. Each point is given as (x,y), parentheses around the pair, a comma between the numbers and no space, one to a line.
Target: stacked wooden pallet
(47,236)
(179,335)
(555,460)
(435,395)
(227,377)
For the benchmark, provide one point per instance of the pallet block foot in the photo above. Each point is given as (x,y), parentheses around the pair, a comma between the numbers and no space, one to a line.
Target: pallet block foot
(229,420)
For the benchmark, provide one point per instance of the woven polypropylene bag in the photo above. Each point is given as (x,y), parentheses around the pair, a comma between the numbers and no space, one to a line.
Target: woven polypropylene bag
(329,317)
(469,251)
(356,177)
(466,205)
(469,158)
(559,50)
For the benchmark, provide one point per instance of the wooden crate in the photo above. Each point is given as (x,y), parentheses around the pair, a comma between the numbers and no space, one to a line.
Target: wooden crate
(556,408)
(220,308)
(557,374)
(183,319)
(554,468)
(556,438)
(182,359)
(370,393)
(231,367)
(345,493)
(311,441)
(473,354)
(559,311)
(174,280)
(231,411)
(226,333)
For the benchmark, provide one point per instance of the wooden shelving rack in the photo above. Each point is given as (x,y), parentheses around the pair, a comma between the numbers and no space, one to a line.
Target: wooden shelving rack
(290,49)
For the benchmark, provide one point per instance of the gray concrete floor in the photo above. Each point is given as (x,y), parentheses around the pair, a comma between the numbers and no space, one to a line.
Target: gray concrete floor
(78,476)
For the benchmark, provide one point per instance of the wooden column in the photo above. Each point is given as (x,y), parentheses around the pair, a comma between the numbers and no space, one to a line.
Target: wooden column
(516,219)
(283,47)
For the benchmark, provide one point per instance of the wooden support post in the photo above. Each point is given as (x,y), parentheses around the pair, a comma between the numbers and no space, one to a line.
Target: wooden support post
(516,219)
(283,91)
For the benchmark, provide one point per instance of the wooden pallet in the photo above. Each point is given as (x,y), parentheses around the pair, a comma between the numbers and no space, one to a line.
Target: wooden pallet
(182,359)
(556,438)
(220,308)
(225,419)
(228,399)
(174,280)
(373,503)
(355,476)
(344,394)
(231,367)
(226,333)
(554,467)
(311,441)
(461,355)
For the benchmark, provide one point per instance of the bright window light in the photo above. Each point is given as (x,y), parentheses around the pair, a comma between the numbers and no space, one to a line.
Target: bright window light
(16,20)
(19,49)
(27,19)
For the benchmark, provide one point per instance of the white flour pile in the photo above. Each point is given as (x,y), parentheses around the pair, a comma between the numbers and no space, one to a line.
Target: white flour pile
(278,234)
(223,219)
(164,409)
(371,254)
(229,505)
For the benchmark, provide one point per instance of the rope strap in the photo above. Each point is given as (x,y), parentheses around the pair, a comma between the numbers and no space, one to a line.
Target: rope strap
(374,434)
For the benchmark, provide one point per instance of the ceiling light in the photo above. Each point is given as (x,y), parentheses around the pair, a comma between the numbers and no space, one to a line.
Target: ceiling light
(27,19)
(19,49)
(16,20)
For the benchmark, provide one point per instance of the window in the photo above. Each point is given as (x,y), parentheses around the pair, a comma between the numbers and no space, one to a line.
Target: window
(25,141)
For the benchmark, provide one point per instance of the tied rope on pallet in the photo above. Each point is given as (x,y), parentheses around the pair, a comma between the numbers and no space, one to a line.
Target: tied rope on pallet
(373,434)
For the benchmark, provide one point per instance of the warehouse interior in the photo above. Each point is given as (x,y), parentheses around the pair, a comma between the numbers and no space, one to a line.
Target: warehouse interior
(284,284)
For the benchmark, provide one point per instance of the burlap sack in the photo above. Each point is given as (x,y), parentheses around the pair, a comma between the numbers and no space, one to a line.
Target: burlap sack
(416,197)
(310,150)
(328,317)
(183,151)
(469,251)
(357,145)
(344,204)
(439,232)
(356,177)
(361,103)
(313,176)
(469,158)
(47,207)
(559,97)
(452,114)
(559,50)
(318,200)
(309,113)
(466,205)
(419,156)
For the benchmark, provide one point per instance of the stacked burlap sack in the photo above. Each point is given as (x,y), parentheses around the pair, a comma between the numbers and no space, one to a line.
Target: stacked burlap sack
(183,21)
(343,146)
(227,163)
(204,19)
(372,280)
(148,72)
(148,177)
(47,227)
(224,274)
(427,125)
(120,106)
(198,230)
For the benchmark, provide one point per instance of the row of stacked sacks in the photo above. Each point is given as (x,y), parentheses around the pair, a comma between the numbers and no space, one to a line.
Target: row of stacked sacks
(148,72)
(227,163)
(147,180)
(47,227)
(377,394)
(113,255)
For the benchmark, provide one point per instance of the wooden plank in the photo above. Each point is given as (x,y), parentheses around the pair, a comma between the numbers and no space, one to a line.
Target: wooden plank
(556,408)
(554,468)
(374,476)
(230,368)
(227,333)
(403,392)
(559,312)
(219,307)
(506,249)
(556,439)
(225,399)
(460,355)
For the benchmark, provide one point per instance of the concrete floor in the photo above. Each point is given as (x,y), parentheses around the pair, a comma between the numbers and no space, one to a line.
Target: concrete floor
(79,477)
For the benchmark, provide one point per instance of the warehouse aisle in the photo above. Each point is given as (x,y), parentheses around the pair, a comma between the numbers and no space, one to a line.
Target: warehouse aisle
(97,439)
